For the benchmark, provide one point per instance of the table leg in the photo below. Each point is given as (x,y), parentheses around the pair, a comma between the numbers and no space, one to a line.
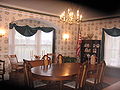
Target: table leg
(61,85)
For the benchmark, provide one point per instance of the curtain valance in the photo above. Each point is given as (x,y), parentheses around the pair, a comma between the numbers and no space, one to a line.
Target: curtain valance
(29,31)
(114,32)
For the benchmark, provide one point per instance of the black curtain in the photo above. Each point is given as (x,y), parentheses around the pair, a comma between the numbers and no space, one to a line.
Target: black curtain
(114,32)
(29,31)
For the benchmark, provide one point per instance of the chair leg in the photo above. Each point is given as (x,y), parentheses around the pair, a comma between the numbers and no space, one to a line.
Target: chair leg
(2,77)
(94,87)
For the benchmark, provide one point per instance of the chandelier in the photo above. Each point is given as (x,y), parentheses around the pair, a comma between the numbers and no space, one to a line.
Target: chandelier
(70,17)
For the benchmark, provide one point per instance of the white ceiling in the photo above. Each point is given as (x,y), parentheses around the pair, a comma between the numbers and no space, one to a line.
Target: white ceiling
(55,7)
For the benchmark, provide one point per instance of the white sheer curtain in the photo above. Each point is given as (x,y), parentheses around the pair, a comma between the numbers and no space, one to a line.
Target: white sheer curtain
(46,42)
(112,51)
(26,47)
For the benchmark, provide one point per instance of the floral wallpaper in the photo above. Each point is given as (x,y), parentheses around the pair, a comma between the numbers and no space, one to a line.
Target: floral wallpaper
(93,29)
(89,30)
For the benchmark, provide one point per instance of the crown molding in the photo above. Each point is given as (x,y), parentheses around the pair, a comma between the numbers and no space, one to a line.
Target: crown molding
(25,10)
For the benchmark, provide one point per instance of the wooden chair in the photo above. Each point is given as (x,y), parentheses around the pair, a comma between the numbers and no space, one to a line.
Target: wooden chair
(16,66)
(37,57)
(30,79)
(79,82)
(95,75)
(59,58)
(47,60)
(52,56)
(50,60)
(101,71)
(2,69)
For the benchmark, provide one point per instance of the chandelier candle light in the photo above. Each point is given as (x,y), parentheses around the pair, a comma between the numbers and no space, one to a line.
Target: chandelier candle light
(70,17)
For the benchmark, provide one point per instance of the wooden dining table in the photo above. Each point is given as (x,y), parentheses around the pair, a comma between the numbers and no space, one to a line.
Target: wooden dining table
(57,72)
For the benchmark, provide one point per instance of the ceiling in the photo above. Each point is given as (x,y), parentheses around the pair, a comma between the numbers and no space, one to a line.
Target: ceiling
(106,6)
(88,8)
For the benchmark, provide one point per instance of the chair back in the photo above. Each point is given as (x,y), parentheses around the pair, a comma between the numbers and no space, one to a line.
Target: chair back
(52,56)
(93,73)
(27,74)
(37,57)
(50,60)
(46,60)
(82,74)
(13,61)
(36,63)
(101,71)
(2,69)
(96,72)
(28,78)
(60,58)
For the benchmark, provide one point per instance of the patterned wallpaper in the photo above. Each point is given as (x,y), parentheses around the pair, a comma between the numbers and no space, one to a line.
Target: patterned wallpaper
(93,29)
(89,30)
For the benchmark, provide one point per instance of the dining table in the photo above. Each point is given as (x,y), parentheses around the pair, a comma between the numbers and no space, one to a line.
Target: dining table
(57,72)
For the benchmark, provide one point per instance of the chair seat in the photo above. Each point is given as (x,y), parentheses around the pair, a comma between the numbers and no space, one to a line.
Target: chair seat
(1,72)
(18,68)
(38,83)
(90,80)
(70,84)
(20,63)
(15,65)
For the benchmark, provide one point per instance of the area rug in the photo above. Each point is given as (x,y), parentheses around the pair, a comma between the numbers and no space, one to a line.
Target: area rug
(98,87)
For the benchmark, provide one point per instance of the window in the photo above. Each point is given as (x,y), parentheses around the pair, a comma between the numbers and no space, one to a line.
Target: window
(112,50)
(46,41)
(26,47)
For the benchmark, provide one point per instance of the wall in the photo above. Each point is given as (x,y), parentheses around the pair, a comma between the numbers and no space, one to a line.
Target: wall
(67,48)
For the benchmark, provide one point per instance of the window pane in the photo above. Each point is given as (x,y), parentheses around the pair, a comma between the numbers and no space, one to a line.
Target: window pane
(25,52)
(20,39)
(46,38)
(46,42)
(24,46)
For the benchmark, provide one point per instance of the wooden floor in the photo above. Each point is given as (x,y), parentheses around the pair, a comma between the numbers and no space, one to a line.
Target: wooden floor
(115,86)
(16,82)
